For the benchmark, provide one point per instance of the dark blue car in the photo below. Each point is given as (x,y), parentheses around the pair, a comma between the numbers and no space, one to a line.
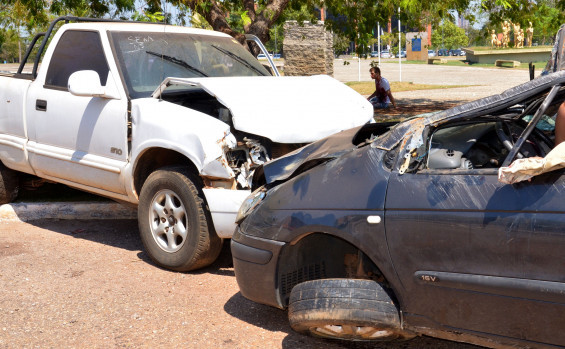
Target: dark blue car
(388,232)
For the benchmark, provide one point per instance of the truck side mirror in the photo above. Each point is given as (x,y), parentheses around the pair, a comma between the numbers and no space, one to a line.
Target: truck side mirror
(86,83)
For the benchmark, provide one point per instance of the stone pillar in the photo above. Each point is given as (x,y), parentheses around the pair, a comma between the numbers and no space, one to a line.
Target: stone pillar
(308,49)
(417,46)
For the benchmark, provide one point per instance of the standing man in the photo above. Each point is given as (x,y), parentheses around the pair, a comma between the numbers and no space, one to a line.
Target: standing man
(382,97)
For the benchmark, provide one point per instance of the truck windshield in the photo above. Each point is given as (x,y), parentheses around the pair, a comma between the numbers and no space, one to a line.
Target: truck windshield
(146,59)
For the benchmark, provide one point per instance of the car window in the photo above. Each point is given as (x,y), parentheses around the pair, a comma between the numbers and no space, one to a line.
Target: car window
(146,60)
(485,142)
(76,50)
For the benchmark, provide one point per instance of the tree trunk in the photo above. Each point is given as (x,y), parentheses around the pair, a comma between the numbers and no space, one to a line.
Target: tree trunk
(260,24)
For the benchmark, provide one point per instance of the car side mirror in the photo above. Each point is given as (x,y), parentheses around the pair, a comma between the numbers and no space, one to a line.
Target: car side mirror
(86,83)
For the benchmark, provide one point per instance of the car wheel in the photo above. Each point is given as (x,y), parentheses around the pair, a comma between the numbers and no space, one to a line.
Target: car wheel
(173,221)
(9,184)
(347,309)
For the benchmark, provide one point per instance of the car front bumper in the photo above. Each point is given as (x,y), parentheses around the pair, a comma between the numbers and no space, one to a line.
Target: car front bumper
(255,265)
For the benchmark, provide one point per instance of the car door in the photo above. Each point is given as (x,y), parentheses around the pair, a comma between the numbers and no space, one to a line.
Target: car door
(478,255)
(76,139)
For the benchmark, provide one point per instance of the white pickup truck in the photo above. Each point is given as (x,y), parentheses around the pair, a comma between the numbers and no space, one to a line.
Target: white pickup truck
(171,119)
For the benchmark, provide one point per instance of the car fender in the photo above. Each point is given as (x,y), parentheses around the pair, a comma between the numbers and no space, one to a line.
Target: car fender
(199,137)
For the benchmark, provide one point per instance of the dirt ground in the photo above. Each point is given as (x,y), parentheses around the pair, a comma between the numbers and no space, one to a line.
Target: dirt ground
(88,284)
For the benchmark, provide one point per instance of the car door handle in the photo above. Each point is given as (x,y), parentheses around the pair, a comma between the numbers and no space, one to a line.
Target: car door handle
(41,105)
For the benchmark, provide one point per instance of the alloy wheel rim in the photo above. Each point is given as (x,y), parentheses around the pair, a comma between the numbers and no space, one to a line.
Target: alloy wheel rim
(168,221)
(352,332)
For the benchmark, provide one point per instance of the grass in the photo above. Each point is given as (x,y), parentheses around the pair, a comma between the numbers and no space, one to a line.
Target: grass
(368,87)
(489,48)
(463,63)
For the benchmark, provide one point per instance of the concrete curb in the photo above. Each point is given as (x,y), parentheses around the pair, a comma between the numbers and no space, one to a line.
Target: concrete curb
(66,210)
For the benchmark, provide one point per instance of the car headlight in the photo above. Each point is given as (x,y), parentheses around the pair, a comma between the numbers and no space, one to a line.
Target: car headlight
(250,203)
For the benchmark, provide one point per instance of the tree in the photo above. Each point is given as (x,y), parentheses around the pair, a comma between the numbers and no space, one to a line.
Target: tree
(449,36)
(354,20)
(9,46)
(546,21)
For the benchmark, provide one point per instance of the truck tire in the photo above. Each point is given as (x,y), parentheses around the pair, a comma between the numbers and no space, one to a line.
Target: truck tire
(174,223)
(346,309)
(9,184)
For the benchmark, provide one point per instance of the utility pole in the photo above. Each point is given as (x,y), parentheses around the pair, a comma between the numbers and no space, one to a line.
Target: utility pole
(399,46)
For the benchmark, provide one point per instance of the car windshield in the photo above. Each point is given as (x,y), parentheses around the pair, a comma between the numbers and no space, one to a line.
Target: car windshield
(146,59)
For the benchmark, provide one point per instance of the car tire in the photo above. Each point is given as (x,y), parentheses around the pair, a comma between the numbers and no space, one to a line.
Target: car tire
(174,223)
(9,184)
(346,309)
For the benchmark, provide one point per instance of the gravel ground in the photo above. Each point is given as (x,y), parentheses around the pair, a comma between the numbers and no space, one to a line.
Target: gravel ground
(87,284)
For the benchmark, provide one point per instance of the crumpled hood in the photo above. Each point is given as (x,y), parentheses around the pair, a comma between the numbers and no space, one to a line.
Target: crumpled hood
(285,109)
(316,153)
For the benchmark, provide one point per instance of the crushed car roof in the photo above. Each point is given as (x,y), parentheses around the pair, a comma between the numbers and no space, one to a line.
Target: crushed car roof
(484,105)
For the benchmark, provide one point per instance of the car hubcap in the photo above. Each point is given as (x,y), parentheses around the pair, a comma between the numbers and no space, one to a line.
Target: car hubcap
(352,332)
(168,221)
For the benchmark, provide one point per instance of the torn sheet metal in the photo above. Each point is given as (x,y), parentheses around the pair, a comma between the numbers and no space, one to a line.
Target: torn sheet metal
(524,169)
(481,106)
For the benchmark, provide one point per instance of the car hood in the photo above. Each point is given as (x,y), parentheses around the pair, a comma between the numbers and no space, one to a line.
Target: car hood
(285,109)
(313,154)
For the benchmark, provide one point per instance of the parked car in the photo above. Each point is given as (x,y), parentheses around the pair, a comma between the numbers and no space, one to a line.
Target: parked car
(386,54)
(456,52)
(375,54)
(431,53)
(402,54)
(262,56)
(381,233)
(443,52)
(160,117)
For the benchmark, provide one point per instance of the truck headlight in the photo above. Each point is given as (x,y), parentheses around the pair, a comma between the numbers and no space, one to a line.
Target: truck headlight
(250,203)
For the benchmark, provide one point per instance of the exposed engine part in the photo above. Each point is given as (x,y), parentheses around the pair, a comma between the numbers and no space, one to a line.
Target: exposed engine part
(244,158)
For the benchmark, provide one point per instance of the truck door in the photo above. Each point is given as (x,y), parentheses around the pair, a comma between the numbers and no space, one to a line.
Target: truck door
(75,139)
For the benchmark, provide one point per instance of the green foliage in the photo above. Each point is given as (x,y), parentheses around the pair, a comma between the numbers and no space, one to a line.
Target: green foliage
(449,36)
(148,17)
(276,33)
(352,21)
(546,21)
(9,48)
(341,44)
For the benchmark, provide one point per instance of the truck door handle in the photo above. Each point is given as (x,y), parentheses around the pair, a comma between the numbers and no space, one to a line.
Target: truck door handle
(41,105)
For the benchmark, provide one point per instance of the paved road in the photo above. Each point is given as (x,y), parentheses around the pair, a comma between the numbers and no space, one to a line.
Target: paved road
(479,82)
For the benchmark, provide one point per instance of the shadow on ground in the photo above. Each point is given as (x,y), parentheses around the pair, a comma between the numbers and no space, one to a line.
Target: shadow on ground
(124,234)
(405,109)
(275,320)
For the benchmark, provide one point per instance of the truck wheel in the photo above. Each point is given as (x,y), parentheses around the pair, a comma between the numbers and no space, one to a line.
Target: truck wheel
(173,222)
(346,309)
(9,184)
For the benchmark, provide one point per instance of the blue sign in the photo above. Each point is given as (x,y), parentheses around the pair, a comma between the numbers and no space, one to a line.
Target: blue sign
(416,45)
